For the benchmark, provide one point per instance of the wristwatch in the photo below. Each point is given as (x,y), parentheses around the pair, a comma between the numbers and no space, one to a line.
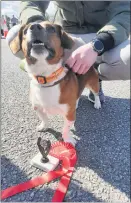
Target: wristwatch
(98,46)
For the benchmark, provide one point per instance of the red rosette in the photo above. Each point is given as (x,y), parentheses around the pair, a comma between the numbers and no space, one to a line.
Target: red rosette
(62,149)
(65,152)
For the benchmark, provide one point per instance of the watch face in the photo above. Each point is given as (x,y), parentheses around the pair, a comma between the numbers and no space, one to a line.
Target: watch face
(98,46)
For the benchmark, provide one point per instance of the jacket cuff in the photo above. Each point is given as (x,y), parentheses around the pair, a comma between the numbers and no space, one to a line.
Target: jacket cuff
(107,40)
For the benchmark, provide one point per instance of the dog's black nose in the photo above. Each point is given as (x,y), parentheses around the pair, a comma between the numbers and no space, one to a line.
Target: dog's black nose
(36,27)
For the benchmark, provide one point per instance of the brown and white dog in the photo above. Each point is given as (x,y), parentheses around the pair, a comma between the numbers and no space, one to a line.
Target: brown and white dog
(54,89)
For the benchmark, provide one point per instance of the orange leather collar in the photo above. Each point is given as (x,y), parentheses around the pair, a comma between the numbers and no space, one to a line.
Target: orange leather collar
(43,80)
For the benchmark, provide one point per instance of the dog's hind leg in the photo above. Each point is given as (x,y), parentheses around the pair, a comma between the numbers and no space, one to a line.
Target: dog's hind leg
(97,103)
(93,85)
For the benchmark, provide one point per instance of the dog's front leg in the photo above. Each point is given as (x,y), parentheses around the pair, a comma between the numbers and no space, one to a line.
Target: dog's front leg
(43,117)
(66,133)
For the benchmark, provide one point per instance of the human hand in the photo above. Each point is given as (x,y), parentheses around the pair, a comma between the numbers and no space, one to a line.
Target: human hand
(82,59)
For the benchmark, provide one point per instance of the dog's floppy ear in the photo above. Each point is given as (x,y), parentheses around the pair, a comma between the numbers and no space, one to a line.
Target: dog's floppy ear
(15,44)
(66,41)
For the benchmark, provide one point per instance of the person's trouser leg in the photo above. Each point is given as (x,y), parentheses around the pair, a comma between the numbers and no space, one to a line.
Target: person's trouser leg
(114,64)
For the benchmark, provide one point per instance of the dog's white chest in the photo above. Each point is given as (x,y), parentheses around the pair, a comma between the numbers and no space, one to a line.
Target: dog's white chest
(48,99)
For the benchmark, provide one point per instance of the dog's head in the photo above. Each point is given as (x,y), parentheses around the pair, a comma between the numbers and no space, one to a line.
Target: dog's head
(42,39)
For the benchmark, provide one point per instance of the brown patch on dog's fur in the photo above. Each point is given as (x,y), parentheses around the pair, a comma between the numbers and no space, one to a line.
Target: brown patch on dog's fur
(72,86)
(14,45)
(59,41)
(30,60)
(69,94)
(20,42)
(44,23)
(56,45)
(66,41)
(24,46)
(89,80)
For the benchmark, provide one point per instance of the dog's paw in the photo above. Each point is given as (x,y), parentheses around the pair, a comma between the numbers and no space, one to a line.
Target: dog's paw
(70,140)
(97,105)
(42,126)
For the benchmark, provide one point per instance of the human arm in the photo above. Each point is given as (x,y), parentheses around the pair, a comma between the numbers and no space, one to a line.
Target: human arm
(31,11)
(112,34)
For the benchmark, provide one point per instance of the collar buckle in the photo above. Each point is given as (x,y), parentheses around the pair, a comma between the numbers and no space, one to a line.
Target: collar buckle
(54,76)
(41,79)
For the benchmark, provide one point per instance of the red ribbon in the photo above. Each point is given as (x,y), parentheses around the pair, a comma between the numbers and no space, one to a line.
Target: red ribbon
(67,154)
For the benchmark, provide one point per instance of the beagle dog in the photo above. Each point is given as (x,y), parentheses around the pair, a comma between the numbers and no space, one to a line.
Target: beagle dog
(54,88)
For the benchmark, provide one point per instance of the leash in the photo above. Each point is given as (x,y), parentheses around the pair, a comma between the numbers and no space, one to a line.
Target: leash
(66,153)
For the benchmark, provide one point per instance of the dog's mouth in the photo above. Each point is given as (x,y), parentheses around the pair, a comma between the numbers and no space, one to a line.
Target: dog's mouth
(39,46)
(37,43)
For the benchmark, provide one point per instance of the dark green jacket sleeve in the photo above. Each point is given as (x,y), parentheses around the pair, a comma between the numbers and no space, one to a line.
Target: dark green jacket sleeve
(119,23)
(31,11)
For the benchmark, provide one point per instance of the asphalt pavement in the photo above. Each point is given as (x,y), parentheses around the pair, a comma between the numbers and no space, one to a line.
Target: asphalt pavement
(102,173)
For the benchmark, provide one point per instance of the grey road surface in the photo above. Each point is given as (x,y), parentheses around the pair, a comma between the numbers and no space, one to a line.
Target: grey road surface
(103,148)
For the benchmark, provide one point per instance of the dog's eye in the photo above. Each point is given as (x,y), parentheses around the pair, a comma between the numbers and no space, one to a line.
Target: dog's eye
(50,29)
(25,31)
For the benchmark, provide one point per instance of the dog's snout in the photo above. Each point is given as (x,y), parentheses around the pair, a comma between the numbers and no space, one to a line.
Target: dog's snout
(36,27)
